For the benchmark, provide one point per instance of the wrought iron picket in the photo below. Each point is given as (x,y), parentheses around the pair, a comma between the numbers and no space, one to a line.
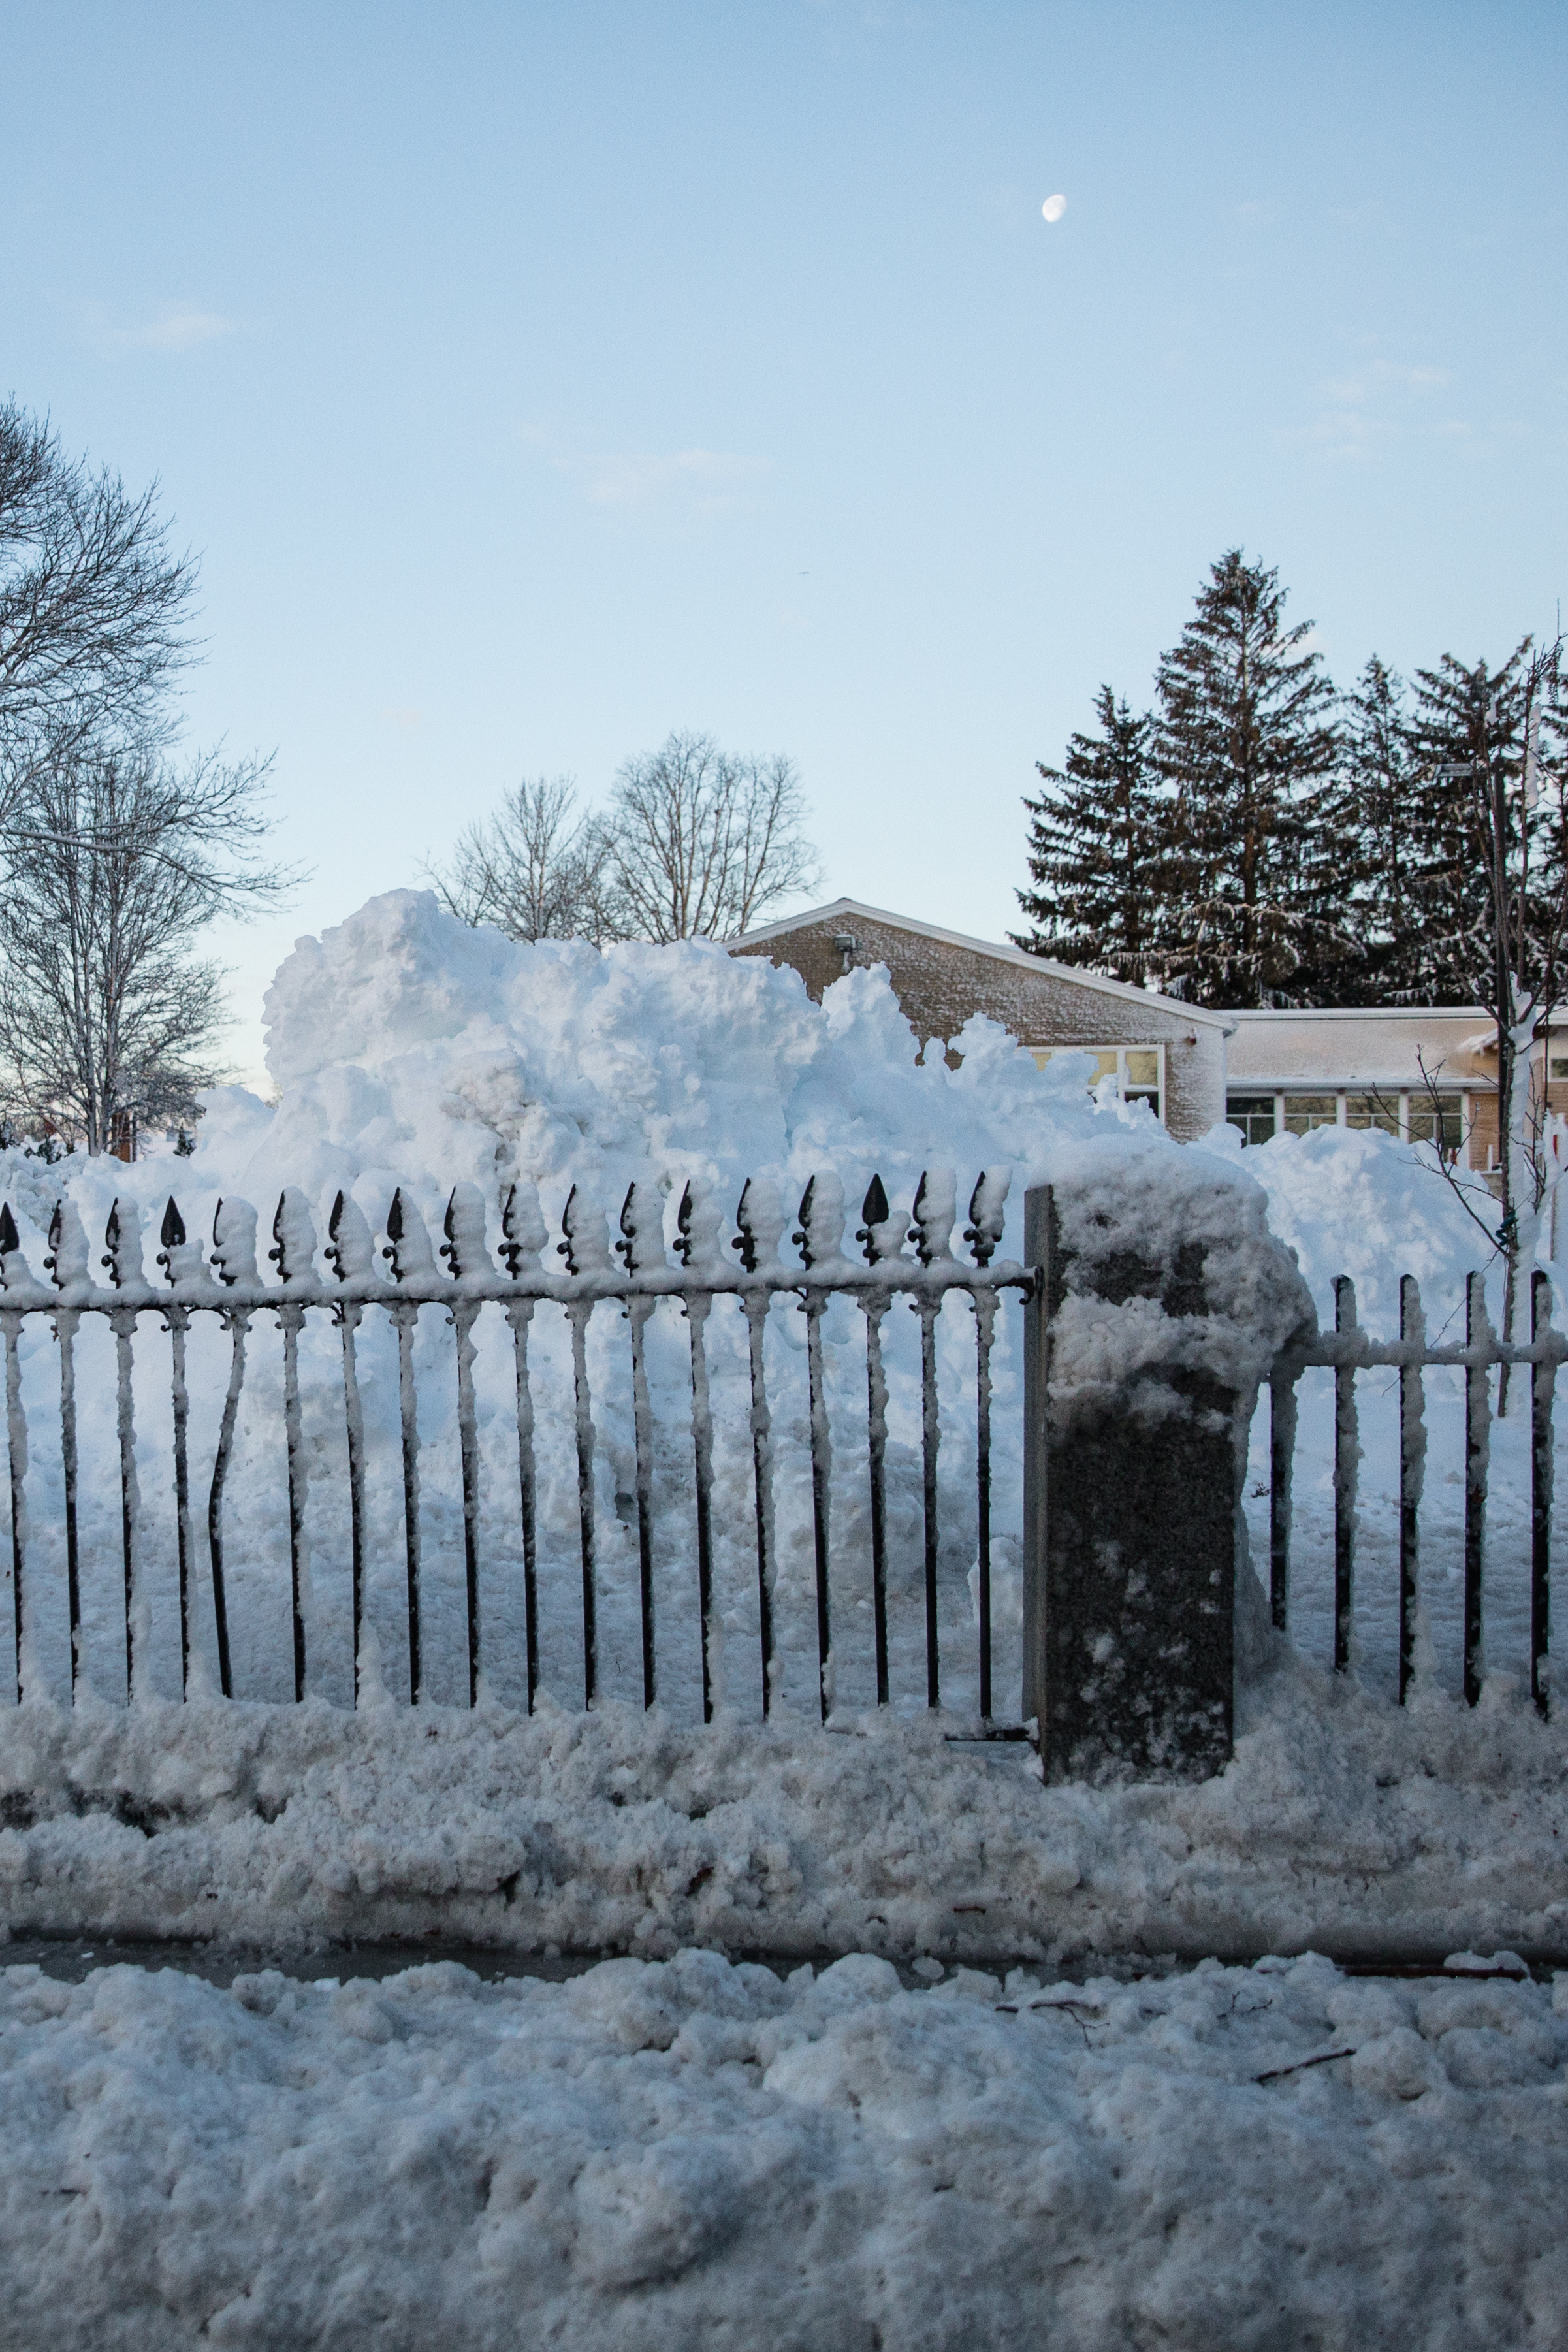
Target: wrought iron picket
(1350,1349)
(226,1286)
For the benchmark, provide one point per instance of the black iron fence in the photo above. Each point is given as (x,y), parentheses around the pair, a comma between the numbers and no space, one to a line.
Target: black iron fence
(1349,1349)
(1127,1529)
(462,1281)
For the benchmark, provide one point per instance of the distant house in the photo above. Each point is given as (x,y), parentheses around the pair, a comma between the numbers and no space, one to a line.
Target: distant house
(1158,1051)
(1426,1073)
(1423,1072)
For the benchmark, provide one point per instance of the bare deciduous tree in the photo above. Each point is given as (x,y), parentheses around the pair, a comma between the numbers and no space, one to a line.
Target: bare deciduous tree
(707,843)
(695,844)
(536,869)
(92,603)
(117,859)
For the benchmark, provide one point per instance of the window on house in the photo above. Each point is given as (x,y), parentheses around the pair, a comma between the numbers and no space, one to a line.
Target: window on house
(1253,1114)
(1305,1112)
(1373,1111)
(1138,1070)
(1141,1076)
(1440,1122)
(1560,1065)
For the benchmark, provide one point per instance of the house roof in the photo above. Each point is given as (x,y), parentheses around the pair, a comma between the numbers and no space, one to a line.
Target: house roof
(1073,974)
(1328,1013)
(1373,1045)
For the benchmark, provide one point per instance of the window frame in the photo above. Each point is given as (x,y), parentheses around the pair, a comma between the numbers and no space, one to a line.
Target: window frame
(1404,1096)
(1127,1089)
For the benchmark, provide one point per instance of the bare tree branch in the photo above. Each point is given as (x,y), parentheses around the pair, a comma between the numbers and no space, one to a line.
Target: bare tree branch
(1449,1163)
(707,843)
(116,861)
(93,605)
(696,844)
(534,869)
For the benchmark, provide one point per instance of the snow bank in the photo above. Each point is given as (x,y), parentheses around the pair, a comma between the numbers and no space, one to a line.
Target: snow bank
(410,1050)
(1342,1823)
(1358,1201)
(689,2153)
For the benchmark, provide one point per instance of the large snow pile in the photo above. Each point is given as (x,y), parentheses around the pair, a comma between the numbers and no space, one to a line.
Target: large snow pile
(407,1048)
(1359,1201)
(411,1051)
(691,2153)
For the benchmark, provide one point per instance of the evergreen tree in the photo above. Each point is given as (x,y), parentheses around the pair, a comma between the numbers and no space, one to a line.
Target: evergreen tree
(1371,819)
(1380,808)
(1248,742)
(1097,849)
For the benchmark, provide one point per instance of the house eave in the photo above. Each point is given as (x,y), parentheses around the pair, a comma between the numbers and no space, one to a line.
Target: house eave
(1019,958)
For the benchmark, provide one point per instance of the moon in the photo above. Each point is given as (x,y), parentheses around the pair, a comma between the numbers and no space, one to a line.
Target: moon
(1053,208)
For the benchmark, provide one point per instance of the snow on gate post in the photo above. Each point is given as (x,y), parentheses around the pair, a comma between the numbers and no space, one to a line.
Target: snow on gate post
(1160,1302)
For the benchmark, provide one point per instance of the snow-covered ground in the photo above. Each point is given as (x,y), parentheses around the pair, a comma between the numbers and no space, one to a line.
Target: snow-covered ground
(1344,1823)
(695,2153)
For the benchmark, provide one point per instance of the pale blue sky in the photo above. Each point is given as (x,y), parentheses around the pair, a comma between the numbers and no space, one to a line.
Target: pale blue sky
(534,379)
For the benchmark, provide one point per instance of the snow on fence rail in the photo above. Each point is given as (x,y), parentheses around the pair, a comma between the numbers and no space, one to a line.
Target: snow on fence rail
(232,1289)
(1349,1349)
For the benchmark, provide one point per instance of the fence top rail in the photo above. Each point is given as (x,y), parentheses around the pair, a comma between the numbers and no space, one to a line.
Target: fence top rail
(1356,1350)
(231,1282)
(438,1290)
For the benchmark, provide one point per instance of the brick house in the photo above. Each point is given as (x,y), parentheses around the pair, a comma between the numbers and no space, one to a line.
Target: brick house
(1164,1052)
(1421,1072)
